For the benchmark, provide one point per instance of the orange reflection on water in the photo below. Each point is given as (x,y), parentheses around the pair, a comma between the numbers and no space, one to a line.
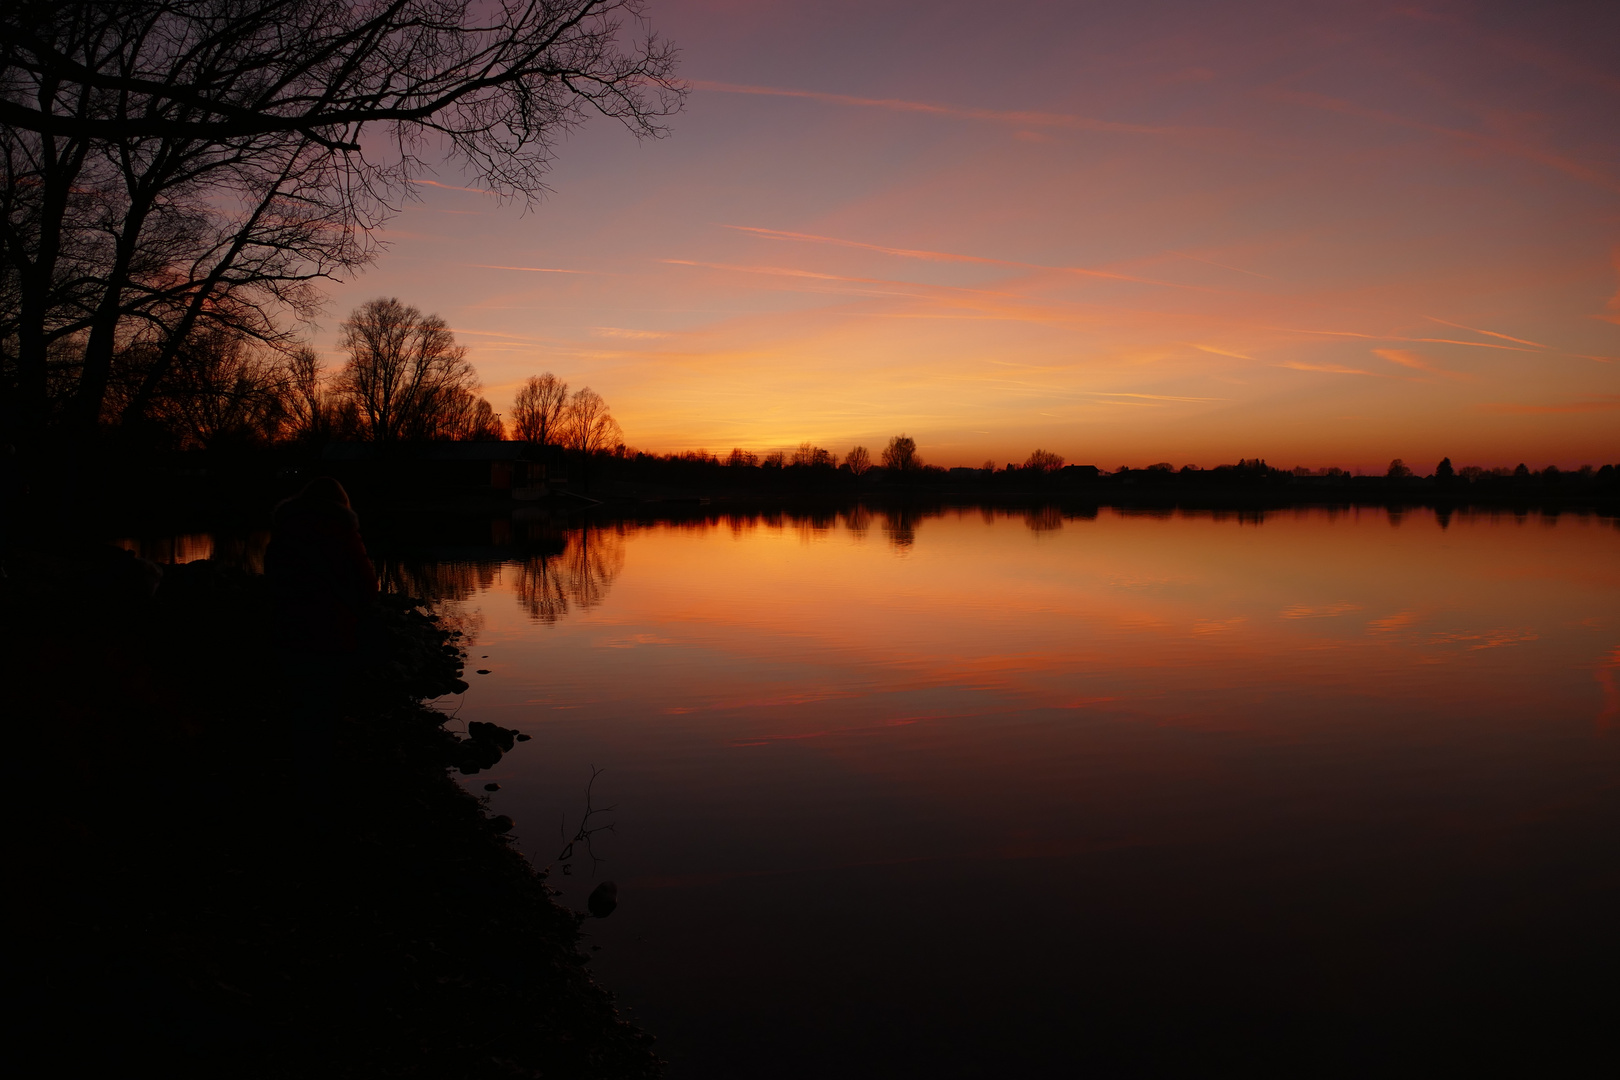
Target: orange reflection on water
(1292,760)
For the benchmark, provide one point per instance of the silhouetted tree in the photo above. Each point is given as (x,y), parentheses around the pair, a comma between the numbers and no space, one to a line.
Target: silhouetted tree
(406,373)
(1398,470)
(222,388)
(588,426)
(171,164)
(740,458)
(472,420)
(538,411)
(859,461)
(1044,461)
(1443,472)
(809,455)
(901,454)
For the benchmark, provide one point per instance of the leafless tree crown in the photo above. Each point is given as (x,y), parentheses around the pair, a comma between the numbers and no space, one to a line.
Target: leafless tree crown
(171,166)
(537,413)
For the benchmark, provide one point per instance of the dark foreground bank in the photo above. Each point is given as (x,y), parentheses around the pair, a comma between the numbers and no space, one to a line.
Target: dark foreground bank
(242,866)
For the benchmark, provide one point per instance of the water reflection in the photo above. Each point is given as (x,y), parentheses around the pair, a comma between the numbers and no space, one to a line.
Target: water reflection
(1191,775)
(1098,779)
(581,574)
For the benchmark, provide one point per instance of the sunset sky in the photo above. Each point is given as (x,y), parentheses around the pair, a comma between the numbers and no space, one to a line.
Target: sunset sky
(1322,234)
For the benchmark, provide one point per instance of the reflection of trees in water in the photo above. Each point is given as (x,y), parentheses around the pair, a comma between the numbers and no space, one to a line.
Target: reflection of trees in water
(1044,519)
(242,550)
(857,520)
(435,581)
(901,527)
(547,585)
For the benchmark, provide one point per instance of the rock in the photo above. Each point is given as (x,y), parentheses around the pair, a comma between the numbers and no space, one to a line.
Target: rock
(492,787)
(483,671)
(503,824)
(603,900)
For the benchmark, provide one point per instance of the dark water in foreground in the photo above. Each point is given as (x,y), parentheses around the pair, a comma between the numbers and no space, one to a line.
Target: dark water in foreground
(1027,795)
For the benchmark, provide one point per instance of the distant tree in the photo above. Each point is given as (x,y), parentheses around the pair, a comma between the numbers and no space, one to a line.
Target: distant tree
(481,423)
(405,372)
(537,412)
(308,414)
(588,426)
(1443,472)
(774,460)
(809,455)
(1398,470)
(859,461)
(901,455)
(988,466)
(224,388)
(740,458)
(1044,461)
(1521,471)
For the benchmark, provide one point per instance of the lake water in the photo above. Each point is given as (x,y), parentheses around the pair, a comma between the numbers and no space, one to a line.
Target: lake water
(986,794)
(991,794)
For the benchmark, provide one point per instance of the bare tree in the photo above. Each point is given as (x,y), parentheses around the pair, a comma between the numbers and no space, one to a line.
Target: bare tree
(224,388)
(859,461)
(173,163)
(538,411)
(809,455)
(406,372)
(589,426)
(1044,461)
(901,455)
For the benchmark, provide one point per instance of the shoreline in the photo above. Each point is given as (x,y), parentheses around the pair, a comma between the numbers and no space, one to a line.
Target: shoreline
(260,868)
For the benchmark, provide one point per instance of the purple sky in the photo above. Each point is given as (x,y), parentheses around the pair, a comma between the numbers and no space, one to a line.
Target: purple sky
(1323,234)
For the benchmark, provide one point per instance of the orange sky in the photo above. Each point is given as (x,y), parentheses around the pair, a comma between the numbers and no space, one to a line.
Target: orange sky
(1318,234)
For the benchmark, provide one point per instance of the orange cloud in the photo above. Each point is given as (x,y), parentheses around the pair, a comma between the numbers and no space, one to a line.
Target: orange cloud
(944,256)
(1601,403)
(527,269)
(1333,369)
(452,187)
(1407,358)
(1491,333)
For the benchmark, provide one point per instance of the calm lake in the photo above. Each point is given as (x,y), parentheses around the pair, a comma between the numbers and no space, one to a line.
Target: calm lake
(998,794)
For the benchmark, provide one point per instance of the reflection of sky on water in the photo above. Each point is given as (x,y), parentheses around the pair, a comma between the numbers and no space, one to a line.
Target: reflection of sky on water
(1286,717)
(949,770)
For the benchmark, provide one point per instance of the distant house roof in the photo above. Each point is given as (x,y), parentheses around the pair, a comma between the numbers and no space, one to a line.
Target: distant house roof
(434,451)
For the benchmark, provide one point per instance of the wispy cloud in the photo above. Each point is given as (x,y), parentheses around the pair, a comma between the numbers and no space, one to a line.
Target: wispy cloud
(1488,333)
(1397,337)
(1332,369)
(1599,403)
(1016,118)
(1153,397)
(622,332)
(1566,165)
(1222,352)
(453,187)
(943,256)
(1329,611)
(1407,358)
(525,269)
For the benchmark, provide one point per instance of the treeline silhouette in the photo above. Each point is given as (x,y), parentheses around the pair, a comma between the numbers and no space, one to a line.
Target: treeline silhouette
(901,470)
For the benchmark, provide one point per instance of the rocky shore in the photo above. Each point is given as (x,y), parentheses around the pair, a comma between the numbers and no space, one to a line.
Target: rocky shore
(243,863)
